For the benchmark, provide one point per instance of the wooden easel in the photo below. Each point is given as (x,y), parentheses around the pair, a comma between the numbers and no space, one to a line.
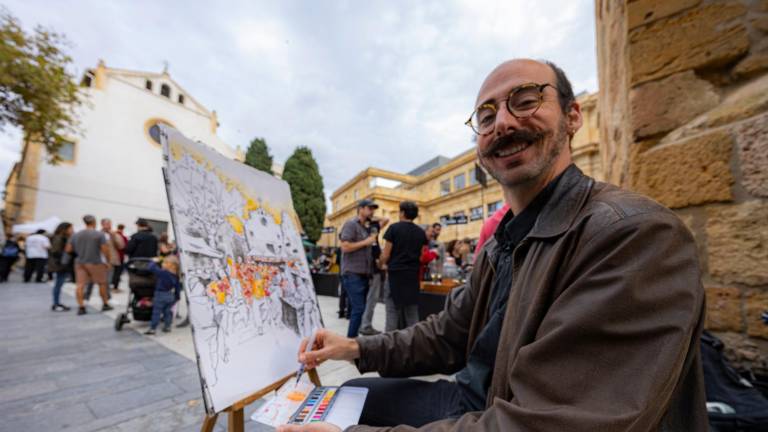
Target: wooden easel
(236,418)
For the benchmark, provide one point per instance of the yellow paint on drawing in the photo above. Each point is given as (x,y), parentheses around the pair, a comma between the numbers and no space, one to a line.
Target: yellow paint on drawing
(236,224)
(250,205)
(258,288)
(221,297)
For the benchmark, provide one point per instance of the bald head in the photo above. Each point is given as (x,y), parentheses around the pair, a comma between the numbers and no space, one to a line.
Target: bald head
(528,70)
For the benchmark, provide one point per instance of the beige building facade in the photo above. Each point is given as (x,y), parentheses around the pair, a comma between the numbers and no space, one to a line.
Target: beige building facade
(449,189)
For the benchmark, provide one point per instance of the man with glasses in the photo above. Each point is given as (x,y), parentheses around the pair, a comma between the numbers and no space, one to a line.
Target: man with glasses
(583,312)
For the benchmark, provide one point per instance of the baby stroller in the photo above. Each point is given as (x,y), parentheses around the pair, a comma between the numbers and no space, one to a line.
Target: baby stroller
(142,285)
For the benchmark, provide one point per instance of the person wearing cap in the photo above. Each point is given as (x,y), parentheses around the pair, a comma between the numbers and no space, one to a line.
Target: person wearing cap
(143,244)
(357,261)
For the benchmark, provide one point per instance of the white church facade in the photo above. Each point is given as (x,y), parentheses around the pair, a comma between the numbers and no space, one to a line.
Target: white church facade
(112,168)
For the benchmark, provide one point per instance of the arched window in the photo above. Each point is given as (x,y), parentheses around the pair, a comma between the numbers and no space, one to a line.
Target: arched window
(152,129)
(165,90)
(148,85)
(181,99)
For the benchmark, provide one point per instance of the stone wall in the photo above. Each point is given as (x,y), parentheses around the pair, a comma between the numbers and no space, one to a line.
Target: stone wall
(684,119)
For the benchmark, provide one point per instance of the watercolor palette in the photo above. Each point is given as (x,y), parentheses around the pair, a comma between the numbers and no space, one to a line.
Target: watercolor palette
(316,407)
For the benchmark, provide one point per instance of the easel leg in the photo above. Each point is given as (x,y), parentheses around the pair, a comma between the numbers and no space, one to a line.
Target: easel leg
(236,421)
(208,423)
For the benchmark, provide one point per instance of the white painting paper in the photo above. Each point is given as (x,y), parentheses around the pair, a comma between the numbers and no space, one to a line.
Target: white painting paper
(246,277)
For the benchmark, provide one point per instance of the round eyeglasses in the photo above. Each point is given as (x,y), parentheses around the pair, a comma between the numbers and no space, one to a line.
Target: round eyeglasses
(523,101)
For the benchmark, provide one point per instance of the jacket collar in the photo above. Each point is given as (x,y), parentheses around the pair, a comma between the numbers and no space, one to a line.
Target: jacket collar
(564,205)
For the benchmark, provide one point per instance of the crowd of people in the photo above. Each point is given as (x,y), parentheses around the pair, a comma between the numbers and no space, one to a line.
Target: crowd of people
(94,256)
(392,273)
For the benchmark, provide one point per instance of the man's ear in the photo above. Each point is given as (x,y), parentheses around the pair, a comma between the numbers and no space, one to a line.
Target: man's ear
(574,119)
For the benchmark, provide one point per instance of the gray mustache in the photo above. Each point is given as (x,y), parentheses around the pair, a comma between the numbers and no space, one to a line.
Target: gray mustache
(516,137)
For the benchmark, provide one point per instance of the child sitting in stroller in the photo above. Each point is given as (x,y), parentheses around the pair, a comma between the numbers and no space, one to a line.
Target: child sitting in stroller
(167,292)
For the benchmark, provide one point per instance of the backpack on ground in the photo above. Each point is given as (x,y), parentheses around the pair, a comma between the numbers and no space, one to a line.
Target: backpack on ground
(733,403)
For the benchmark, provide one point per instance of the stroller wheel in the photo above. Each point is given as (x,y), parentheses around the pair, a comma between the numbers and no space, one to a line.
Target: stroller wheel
(120,320)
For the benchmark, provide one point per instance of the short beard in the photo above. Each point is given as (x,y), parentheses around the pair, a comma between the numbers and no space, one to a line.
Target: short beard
(538,168)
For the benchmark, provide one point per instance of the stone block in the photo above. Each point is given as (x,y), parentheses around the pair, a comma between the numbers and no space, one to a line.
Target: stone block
(752,142)
(756,302)
(647,11)
(724,309)
(690,172)
(710,35)
(751,65)
(737,243)
(760,23)
(660,106)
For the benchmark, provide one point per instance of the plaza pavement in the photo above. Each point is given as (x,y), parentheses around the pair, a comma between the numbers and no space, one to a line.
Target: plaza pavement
(63,372)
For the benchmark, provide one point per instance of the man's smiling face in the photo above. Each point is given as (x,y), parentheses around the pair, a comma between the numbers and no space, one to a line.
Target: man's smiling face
(517,151)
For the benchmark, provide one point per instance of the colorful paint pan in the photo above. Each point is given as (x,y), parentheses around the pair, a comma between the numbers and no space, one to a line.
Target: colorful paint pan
(316,406)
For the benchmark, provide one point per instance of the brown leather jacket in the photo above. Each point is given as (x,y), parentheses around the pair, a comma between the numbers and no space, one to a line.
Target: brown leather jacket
(601,331)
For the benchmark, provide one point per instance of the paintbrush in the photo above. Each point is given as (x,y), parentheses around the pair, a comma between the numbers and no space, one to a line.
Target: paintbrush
(300,372)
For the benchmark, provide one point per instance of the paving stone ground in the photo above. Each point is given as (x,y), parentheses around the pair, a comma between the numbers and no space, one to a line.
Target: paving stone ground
(63,372)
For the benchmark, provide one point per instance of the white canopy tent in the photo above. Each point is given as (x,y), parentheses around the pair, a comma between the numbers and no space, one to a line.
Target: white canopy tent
(49,225)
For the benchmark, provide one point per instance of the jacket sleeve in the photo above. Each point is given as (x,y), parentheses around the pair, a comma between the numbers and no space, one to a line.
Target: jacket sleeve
(435,345)
(611,348)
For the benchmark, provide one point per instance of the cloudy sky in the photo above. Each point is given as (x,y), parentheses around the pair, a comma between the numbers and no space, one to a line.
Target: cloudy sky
(362,83)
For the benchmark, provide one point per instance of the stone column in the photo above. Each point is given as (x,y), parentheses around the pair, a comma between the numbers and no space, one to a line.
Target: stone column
(684,119)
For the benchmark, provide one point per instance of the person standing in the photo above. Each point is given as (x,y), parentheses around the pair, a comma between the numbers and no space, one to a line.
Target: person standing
(167,292)
(357,262)
(59,263)
(8,257)
(401,258)
(115,244)
(117,272)
(143,244)
(378,276)
(89,245)
(36,251)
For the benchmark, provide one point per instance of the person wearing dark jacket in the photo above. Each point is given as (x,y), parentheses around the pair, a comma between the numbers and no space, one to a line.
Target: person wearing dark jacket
(8,257)
(583,312)
(167,292)
(143,244)
(60,263)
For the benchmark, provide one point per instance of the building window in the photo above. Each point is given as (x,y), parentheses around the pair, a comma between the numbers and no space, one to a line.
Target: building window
(445,187)
(355,194)
(444,219)
(67,152)
(492,207)
(181,99)
(459,181)
(148,85)
(473,176)
(87,79)
(165,90)
(476,213)
(152,129)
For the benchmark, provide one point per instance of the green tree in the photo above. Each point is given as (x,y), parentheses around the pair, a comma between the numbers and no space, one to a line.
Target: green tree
(37,92)
(258,155)
(306,183)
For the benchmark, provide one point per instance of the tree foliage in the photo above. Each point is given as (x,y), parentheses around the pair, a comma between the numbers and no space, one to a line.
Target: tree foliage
(37,92)
(306,183)
(258,155)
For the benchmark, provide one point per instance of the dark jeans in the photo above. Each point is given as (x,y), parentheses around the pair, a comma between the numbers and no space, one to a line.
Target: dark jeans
(161,304)
(395,401)
(6,264)
(117,271)
(357,289)
(36,265)
(61,277)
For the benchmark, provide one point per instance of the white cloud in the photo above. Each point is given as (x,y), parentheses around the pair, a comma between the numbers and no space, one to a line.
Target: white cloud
(379,83)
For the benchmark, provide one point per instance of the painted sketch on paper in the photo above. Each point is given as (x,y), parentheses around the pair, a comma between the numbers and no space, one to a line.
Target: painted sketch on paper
(246,277)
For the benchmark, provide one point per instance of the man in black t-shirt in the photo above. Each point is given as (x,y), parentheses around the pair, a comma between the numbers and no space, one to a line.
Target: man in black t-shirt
(400,257)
